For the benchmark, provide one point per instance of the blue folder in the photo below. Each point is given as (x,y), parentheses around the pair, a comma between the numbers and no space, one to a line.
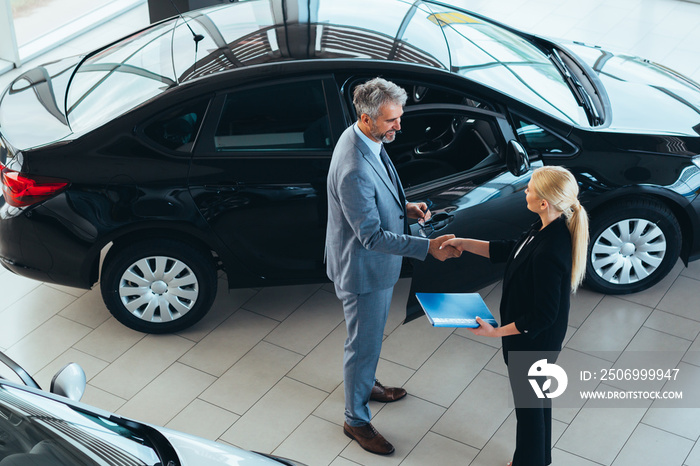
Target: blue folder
(455,309)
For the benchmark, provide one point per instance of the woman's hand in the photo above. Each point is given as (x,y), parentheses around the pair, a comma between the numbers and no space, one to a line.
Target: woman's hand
(484,329)
(487,330)
(457,243)
(475,246)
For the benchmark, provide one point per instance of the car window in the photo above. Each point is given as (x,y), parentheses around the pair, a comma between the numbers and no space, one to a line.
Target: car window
(177,129)
(120,77)
(285,116)
(538,141)
(439,144)
(419,93)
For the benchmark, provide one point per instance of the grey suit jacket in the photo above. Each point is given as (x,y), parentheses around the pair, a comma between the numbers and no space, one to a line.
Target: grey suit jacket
(365,242)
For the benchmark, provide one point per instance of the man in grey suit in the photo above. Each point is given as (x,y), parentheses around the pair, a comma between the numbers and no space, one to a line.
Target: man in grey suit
(367,236)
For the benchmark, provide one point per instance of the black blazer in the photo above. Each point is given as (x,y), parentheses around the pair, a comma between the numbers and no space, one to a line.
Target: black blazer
(536,287)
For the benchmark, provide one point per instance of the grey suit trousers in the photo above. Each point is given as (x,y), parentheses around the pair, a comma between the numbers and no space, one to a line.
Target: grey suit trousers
(369,312)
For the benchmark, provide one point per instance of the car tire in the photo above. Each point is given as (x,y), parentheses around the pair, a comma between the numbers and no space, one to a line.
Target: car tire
(159,285)
(633,245)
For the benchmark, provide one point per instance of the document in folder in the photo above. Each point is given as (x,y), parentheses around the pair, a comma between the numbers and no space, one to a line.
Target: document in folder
(455,309)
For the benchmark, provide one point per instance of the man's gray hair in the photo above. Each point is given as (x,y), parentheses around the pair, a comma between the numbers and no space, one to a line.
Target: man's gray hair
(370,96)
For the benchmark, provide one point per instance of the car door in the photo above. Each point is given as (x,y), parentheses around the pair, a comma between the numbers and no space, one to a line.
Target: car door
(259,175)
(455,158)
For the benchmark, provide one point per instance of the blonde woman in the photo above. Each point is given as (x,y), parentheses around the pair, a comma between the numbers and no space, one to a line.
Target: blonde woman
(543,268)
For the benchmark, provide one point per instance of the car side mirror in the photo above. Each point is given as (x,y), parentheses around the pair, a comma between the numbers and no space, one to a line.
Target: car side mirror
(517,160)
(69,382)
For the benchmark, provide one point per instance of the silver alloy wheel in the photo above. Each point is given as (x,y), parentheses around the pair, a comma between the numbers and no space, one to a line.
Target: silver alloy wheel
(628,251)
(158,289)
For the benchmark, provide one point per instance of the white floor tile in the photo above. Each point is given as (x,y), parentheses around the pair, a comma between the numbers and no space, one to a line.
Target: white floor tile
(142,363)
(436,449)
(312,322)
(681,299)
(31,311)
(478,412)
(442,378)
(600,434)
(413,343)
(328,441)
(203,420)
(249,379)
(229,342)
(168,394)
(88,309)
(610,327)
(650,446)
(40,347)
(272,419)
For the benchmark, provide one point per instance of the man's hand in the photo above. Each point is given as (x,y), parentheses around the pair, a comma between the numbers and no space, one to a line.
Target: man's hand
(418,210)
(442,254)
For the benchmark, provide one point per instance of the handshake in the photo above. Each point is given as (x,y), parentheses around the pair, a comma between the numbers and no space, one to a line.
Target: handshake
(440,252)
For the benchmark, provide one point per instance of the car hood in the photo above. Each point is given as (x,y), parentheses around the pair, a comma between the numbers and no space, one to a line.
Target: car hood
(645,97)
(36,99)
(194,451)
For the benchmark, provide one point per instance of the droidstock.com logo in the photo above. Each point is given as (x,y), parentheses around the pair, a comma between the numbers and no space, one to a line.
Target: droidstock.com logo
(542,369)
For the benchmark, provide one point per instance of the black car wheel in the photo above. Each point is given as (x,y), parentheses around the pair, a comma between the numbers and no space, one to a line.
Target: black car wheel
(158,286)
(633,246)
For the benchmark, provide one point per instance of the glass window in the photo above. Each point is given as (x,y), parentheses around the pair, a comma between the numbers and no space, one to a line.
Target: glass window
(405,32)
(436,145)
(177,129)
(500,59)
(538,141)
(35,18)
(288,116)
(420,93)
(121,77)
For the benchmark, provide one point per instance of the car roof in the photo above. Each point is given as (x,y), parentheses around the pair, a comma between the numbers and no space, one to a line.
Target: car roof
(269,31)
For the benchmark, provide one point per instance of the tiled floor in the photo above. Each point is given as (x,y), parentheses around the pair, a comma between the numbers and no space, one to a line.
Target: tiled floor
(263,369)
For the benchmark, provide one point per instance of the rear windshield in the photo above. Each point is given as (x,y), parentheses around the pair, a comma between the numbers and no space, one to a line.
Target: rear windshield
(121,77)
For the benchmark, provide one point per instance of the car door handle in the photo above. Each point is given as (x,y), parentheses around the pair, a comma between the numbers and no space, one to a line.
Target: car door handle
(222,188)
(436,223)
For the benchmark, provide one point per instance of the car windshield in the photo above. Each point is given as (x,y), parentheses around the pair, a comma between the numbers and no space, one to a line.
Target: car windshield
(39,430)
(496,57)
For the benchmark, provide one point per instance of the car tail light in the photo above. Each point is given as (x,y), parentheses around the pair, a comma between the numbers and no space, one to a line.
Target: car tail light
(22,190)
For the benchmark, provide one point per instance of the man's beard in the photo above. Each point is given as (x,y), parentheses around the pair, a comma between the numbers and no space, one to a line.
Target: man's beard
(387,136)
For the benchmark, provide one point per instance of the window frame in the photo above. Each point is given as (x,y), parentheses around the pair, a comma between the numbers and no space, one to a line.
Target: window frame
(205,99)
(517,118)
(206,146)
(498,123)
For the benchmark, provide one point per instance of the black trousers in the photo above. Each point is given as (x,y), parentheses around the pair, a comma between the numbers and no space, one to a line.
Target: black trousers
(533,438)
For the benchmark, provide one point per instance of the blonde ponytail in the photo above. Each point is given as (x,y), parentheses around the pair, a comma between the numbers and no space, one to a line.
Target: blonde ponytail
(559,187)
(578,227)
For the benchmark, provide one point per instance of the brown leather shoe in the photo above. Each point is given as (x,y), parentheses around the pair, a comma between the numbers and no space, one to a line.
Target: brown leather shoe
(369,439)
(386,394)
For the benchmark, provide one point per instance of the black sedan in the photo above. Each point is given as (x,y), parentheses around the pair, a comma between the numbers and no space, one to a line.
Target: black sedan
(202,143)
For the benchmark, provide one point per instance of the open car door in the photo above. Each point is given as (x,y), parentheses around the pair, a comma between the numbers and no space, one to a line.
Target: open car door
(466,164)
